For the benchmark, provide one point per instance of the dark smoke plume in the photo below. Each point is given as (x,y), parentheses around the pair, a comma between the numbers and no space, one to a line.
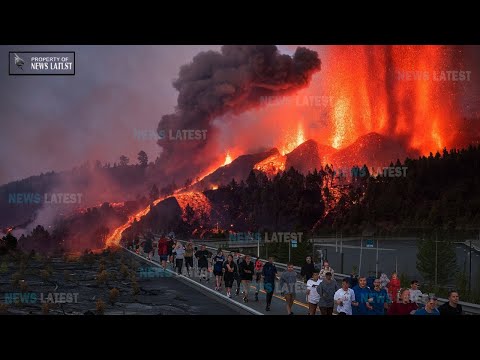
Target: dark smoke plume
(232,81)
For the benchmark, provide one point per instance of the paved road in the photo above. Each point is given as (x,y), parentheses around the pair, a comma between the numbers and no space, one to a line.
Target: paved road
(278,306)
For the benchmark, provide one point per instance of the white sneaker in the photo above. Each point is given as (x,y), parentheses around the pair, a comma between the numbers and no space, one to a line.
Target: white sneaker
(229,295)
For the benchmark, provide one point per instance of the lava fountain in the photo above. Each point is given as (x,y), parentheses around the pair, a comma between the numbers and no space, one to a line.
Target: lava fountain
(395,91)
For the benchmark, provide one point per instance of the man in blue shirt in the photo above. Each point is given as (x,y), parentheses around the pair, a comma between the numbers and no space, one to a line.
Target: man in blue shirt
(430,307)
(361,305)
(379,299)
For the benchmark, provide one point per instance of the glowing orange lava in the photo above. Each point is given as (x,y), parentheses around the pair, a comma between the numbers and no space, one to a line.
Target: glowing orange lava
(197,201)
(115,237)
(293,140)
(394,91)
(272,164)
(228,159)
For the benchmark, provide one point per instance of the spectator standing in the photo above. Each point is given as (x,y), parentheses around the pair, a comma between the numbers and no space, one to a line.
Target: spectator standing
(394,287)
(326,268)
(307,269)
(415,293)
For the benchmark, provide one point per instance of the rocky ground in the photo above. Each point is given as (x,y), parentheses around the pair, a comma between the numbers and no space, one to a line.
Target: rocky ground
(111,283)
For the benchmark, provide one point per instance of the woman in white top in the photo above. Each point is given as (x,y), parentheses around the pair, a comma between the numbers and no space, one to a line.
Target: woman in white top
(179,253)
(312,294)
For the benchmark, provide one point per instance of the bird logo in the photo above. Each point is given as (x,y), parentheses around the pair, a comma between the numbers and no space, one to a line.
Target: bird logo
(19,61)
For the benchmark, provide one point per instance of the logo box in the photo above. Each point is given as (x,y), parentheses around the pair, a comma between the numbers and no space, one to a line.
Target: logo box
(23,67)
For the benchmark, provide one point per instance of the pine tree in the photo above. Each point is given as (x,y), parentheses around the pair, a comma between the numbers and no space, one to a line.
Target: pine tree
(444,263)
(124,160)
(142,158)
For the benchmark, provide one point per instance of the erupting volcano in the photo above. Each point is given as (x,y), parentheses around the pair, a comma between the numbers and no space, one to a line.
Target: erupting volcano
(383,103)
(378,89)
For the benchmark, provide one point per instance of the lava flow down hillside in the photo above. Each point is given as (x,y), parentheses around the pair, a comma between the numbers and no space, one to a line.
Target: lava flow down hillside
(382,103)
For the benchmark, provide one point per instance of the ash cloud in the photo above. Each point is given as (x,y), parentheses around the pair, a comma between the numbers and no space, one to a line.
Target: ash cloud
(231,81)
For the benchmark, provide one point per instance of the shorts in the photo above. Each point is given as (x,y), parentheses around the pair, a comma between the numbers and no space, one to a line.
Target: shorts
(228,282)
(218,273)
(163,257)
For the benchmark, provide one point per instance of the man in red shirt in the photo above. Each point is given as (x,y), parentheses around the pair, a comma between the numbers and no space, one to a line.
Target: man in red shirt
(163,251)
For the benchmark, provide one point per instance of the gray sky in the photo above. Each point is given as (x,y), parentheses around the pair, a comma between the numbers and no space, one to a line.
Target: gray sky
(57,122)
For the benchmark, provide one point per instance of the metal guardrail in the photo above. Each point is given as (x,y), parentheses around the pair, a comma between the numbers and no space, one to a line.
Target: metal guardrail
(468,308)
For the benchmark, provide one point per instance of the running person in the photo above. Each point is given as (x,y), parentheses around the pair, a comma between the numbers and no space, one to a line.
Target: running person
(258,276)
(202,255)
(179,252)
(246,275)
(288,280)
(269,275)
(313,297)
(189,257)
(148,247)
(163,251)
(344,297)
(217,264)
(238,259)
(326,291)
(171,246)
(229,275)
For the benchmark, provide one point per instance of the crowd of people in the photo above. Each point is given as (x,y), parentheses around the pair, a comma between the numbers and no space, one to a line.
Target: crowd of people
(357,295)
